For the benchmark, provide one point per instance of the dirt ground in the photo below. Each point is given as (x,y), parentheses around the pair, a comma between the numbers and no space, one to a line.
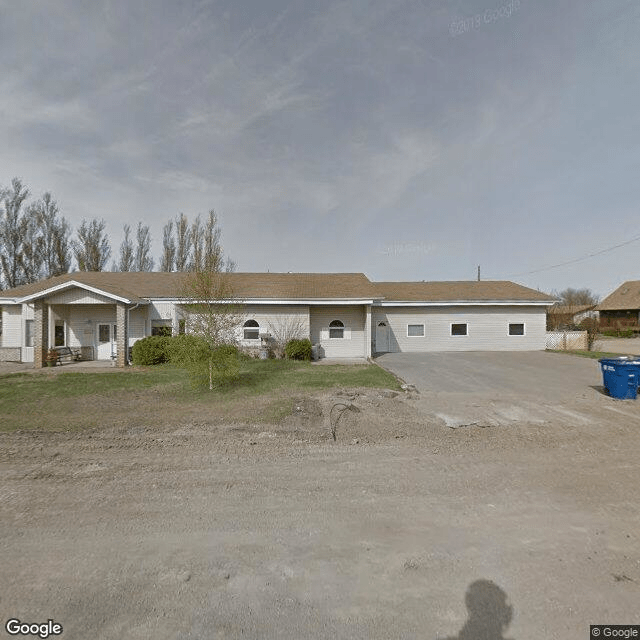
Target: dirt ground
(170,526)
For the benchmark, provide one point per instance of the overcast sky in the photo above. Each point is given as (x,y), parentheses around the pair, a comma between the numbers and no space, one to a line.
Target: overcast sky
(408,139)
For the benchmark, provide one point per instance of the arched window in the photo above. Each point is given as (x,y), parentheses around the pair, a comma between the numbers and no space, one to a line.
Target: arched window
(336,329)
(251,330)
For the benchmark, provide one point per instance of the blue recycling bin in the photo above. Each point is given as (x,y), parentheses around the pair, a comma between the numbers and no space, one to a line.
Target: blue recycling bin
(621,376)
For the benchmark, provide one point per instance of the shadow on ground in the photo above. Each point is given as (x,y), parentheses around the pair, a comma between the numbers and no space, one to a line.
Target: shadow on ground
(488,610)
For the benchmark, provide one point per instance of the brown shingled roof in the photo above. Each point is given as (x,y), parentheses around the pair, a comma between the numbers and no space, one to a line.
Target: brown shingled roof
(136,286)
(461,291)
(626,296)
(269,286)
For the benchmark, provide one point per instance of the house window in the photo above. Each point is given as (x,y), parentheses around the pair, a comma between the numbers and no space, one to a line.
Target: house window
(251,330)
(516,328)
(104,333)
(28,333)
(415,330)
(459,329)
(336,329)
(58,335)
(160,328)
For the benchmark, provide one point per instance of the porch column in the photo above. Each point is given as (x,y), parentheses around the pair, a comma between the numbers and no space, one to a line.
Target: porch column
(40,333)
(367,331)
(122,341)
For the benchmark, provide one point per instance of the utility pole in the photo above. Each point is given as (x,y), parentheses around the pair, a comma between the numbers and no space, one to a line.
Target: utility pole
(478,273)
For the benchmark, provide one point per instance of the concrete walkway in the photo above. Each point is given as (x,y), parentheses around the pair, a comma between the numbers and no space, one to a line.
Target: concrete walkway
(67,367)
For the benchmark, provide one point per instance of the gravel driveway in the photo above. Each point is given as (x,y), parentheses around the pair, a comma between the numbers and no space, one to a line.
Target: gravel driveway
(178,527)
(494,388)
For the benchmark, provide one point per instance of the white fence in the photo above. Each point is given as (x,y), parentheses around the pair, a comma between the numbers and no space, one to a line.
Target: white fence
(566,340)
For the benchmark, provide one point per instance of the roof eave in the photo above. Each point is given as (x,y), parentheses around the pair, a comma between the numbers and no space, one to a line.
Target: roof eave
(449,303)
(81,285)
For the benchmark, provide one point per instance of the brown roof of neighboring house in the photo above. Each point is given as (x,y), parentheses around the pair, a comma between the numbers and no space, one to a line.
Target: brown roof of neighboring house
(626,296)
(463,291)
(570,309)
(271,286)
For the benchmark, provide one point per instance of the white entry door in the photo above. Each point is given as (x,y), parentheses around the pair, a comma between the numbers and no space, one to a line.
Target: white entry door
(106,335)
(382,337)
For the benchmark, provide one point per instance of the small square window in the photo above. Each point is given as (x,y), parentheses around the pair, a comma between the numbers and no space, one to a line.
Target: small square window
(158,328)
(459,329)
(516,329)
(415,330)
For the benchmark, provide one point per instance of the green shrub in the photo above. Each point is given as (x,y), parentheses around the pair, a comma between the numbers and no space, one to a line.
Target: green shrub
(618,333)
(226,351)
(298,349)
(187,349)
(150,350)
(207,366)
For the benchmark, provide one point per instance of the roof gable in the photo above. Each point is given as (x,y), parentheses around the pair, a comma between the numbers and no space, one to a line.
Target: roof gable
(626,296)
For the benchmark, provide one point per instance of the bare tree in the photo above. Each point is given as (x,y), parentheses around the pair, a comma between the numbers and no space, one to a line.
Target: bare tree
(12,230)
(197,242)
(183,243)
(62,249)
(168,248)
(31,257)
(213,316)
(212,313)
(285,328)
(576,297)
(126,251)
(92,248)
(55,232)
(144,261)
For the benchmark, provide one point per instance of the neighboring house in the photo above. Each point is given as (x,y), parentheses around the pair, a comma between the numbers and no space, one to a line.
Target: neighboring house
(346,314)
(561,316)
(621,309)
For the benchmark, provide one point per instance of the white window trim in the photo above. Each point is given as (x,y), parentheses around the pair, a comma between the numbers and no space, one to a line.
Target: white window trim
(416,324)
(33,337)
(342,328)
(251,328)
(64,333)
(517,335)
(458,335)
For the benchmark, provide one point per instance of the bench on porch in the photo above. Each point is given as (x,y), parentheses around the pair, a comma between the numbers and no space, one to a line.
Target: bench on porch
(67,354)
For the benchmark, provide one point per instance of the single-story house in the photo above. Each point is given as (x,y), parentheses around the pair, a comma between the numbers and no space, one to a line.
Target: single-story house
(621,309)
(560,316)
(346,314)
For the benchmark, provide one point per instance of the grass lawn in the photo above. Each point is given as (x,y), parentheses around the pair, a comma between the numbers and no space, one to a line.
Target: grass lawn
(588,354)
(77,400)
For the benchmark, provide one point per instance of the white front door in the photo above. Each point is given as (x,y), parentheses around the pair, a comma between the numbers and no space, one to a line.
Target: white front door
(106,335)
(382,337)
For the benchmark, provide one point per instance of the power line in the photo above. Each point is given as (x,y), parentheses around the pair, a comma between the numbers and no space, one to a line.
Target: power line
(564,264)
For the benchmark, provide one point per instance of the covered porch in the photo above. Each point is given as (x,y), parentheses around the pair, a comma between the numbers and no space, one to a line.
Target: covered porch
(100,331)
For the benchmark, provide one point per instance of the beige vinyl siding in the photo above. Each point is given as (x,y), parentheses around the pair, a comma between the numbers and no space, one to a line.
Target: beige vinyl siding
(161,311)
(12,325)
(487,328)
(270,316)
(78,296)
(353,344)
(137,324)
(82,323)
